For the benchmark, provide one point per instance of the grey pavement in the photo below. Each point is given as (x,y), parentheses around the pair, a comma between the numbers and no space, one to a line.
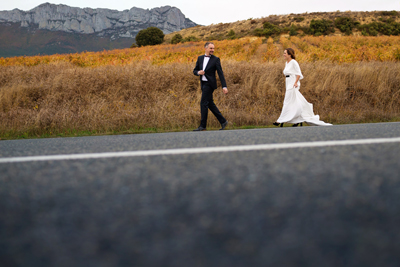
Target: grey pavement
(325,206)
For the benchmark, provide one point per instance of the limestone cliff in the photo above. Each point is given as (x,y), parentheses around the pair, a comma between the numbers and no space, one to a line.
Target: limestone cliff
(101,22)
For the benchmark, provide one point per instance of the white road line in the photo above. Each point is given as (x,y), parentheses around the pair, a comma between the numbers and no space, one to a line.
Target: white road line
(180,151)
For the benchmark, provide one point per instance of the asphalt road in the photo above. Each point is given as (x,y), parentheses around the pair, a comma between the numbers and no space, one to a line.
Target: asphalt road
(310,206)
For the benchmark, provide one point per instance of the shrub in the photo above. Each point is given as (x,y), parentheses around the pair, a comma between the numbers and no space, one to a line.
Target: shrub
(177,38)
(273,20)
(391,28)
(346,24)
(293,30)
(387,20)
(373,28)
(321,27)
(149,36)
(258,32)
(370,29)
(231,34)
(298,19)
(271,29)
(215,37)
(389,13)
(190,38)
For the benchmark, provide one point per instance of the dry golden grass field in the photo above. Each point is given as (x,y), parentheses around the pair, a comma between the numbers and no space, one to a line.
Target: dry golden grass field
(349,79)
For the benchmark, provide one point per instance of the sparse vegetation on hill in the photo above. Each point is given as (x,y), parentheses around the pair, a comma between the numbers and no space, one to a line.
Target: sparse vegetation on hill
(319,23)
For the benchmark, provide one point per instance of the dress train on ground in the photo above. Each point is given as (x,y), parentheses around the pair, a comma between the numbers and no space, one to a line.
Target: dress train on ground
(296,109)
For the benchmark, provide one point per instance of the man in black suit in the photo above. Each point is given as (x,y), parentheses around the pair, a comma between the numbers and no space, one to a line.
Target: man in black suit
(206,66)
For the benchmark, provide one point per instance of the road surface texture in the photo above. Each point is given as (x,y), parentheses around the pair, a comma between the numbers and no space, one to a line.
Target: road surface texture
(325,205)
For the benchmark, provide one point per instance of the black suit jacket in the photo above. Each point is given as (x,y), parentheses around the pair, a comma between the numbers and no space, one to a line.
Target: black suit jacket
(214,65)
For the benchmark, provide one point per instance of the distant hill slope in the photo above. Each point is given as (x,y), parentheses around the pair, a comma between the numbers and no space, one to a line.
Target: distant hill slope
(20,41)
(49,28)
(376,20)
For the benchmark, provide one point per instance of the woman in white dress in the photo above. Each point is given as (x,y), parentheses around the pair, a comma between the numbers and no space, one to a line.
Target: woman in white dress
(296,109)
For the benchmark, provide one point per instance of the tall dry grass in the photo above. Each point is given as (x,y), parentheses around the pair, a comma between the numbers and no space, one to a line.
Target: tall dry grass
(60,97)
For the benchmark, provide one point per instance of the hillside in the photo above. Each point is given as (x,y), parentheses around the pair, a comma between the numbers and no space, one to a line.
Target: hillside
(378,21)
(19,41)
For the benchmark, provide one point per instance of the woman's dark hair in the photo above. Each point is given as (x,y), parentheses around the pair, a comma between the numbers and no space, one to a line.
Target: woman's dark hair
(290,52)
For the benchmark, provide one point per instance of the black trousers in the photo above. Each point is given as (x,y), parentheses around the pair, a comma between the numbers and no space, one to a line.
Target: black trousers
(207,103)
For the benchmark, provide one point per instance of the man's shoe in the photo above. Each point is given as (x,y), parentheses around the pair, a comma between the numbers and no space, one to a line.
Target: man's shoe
(224,125)
(199,129)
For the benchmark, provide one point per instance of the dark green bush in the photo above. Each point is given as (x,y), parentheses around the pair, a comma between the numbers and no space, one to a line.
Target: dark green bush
(389,13)
(177,38)
(374,28)
(271,29)
(321,27)
(298,19)
(293,30)
(258,32)
(216,37)
(370,29)
(231,34)
(392,28)
(387,20)
(190,38)
(346,24)
(149,36)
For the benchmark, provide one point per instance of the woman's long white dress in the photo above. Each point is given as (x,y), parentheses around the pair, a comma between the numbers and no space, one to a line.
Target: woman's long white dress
(296,109)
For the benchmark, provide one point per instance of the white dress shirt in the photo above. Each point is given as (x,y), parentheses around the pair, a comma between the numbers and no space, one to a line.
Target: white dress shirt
(205,62)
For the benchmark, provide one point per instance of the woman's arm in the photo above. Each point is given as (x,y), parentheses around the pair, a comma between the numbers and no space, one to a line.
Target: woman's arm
(297,79)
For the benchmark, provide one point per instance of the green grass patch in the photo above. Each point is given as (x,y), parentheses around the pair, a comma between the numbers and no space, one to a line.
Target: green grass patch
(143,130)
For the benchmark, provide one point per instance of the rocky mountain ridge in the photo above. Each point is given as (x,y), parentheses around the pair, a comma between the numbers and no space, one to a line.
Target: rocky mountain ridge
(100,21)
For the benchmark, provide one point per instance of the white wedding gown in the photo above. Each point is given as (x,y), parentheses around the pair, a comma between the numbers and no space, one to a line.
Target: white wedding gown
(296,109)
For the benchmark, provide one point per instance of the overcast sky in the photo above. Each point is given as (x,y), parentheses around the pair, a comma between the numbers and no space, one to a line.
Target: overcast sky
(214,12)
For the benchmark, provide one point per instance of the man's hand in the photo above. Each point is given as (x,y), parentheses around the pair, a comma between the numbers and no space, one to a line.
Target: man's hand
(225,90)
(201,72)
